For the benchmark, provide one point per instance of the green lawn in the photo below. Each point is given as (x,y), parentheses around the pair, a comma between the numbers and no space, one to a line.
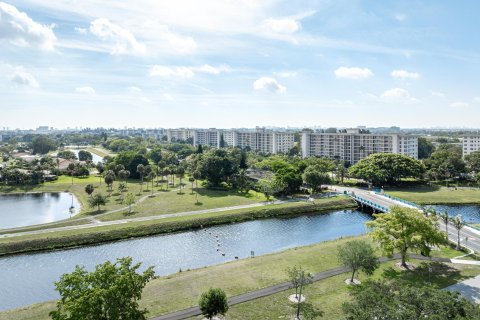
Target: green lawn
(437,195)
(181,290)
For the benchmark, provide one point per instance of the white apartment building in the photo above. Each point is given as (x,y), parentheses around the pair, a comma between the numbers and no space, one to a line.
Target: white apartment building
(471,143)
(351,146)
(259,140)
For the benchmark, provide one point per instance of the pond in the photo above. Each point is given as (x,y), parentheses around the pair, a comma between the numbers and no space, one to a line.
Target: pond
(27,279)
(19,210)
(95,158)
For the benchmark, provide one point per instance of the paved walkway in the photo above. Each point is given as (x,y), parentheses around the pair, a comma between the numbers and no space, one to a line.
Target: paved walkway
(469,288)
(195,311)
(148,218)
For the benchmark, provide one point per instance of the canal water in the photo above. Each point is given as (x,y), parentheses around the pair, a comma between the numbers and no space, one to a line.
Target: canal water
(95,158)
(27,279)
(18,210)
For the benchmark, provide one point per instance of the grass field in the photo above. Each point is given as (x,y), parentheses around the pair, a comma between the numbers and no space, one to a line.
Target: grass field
(181,290)
(437,195)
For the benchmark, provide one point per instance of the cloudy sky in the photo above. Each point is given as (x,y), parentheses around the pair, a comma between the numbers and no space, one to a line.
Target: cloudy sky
(239,63)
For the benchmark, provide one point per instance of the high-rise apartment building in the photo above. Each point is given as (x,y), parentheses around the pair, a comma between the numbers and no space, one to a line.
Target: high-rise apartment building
(351,146)
(471,143)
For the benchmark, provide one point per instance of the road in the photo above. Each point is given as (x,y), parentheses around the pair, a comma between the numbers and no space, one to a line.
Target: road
(469,237)
(97,223)
(195,311)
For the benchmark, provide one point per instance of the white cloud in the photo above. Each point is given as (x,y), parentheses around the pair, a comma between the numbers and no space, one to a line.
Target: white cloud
(269,84)
(18,28)
(85,90)
(165,71)
(286,74)
(476,99)
(23,78)
(353,73)
(80,30)
(282,25)
(404,75)
(134,89)
(206,68)
(186,72)
(123,41)
(459,104)
(400,17)
(438,94)
(398,95)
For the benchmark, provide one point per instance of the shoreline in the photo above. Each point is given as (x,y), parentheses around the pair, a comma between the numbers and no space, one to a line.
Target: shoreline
(129,232)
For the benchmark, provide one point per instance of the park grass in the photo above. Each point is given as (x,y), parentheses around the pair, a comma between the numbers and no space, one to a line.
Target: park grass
(181,290)
(437,195)
(104,233)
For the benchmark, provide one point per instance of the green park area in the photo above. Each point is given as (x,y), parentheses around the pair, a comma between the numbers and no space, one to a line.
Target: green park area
(182,290)
(437,195)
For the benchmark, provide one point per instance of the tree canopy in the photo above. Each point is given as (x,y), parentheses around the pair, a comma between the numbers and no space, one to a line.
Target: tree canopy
(389,300)
(110,292)
(213,302)
(445,163)
(314,176)
(358,255)
(381,168)
(404,229)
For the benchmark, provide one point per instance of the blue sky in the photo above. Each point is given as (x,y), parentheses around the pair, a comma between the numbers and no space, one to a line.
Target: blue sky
(239,63)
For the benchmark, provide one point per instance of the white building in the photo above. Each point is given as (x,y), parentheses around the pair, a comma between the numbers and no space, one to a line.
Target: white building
(351,146)
(260,140)
(471,143)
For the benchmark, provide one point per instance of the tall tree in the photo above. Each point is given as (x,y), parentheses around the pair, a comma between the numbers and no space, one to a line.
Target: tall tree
(425,148)
(458,223)
(445,219)
(129,201)
(395,300)
(213,302)
(315,177)
(110,292)
(141,171)
(358,255)
(381,168)
(89,189)
(97,200)
(405,229)
(472,161)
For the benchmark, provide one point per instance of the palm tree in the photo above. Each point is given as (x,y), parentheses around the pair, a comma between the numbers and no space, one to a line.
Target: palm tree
(445,218)
(141,171)
(151,177)
(180,174)
(89,189)
(191,180)
(71,169)
(122,188)
(458,223)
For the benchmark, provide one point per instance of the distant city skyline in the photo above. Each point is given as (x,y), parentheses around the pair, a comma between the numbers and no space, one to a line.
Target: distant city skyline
(233,64)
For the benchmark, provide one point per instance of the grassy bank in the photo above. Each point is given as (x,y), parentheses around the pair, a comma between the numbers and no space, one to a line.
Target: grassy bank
(182,290)
(94,235)
(437,195)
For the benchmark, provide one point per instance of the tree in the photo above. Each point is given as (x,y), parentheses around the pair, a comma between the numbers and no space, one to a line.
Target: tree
(315,177)
(97,200)
(123,175)
(299,278)
(71,169)
(89,189)
(472,161)
(141,171)
(109,179)
(404,229)
(445,218)
(122,188)
(358,255)
(308,311)
(84,155)
(213,302)
(199,149)
(394,300)
(381,168)
(445,163)
(458,223)
(151,176)
(425,148)
(243,160)
(218,165)
(110,292)
(180,173)
(67,154)
(191,180)
(129,200)
(42,144)
(222,143)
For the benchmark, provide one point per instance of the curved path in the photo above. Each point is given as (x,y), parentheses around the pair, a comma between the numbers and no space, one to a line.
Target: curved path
(252,295)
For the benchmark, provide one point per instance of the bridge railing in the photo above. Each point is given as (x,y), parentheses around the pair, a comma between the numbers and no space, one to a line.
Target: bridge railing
(371,203)
(399,200)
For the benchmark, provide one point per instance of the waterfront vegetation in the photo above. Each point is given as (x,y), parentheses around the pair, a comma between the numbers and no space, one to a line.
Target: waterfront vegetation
(183,289)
